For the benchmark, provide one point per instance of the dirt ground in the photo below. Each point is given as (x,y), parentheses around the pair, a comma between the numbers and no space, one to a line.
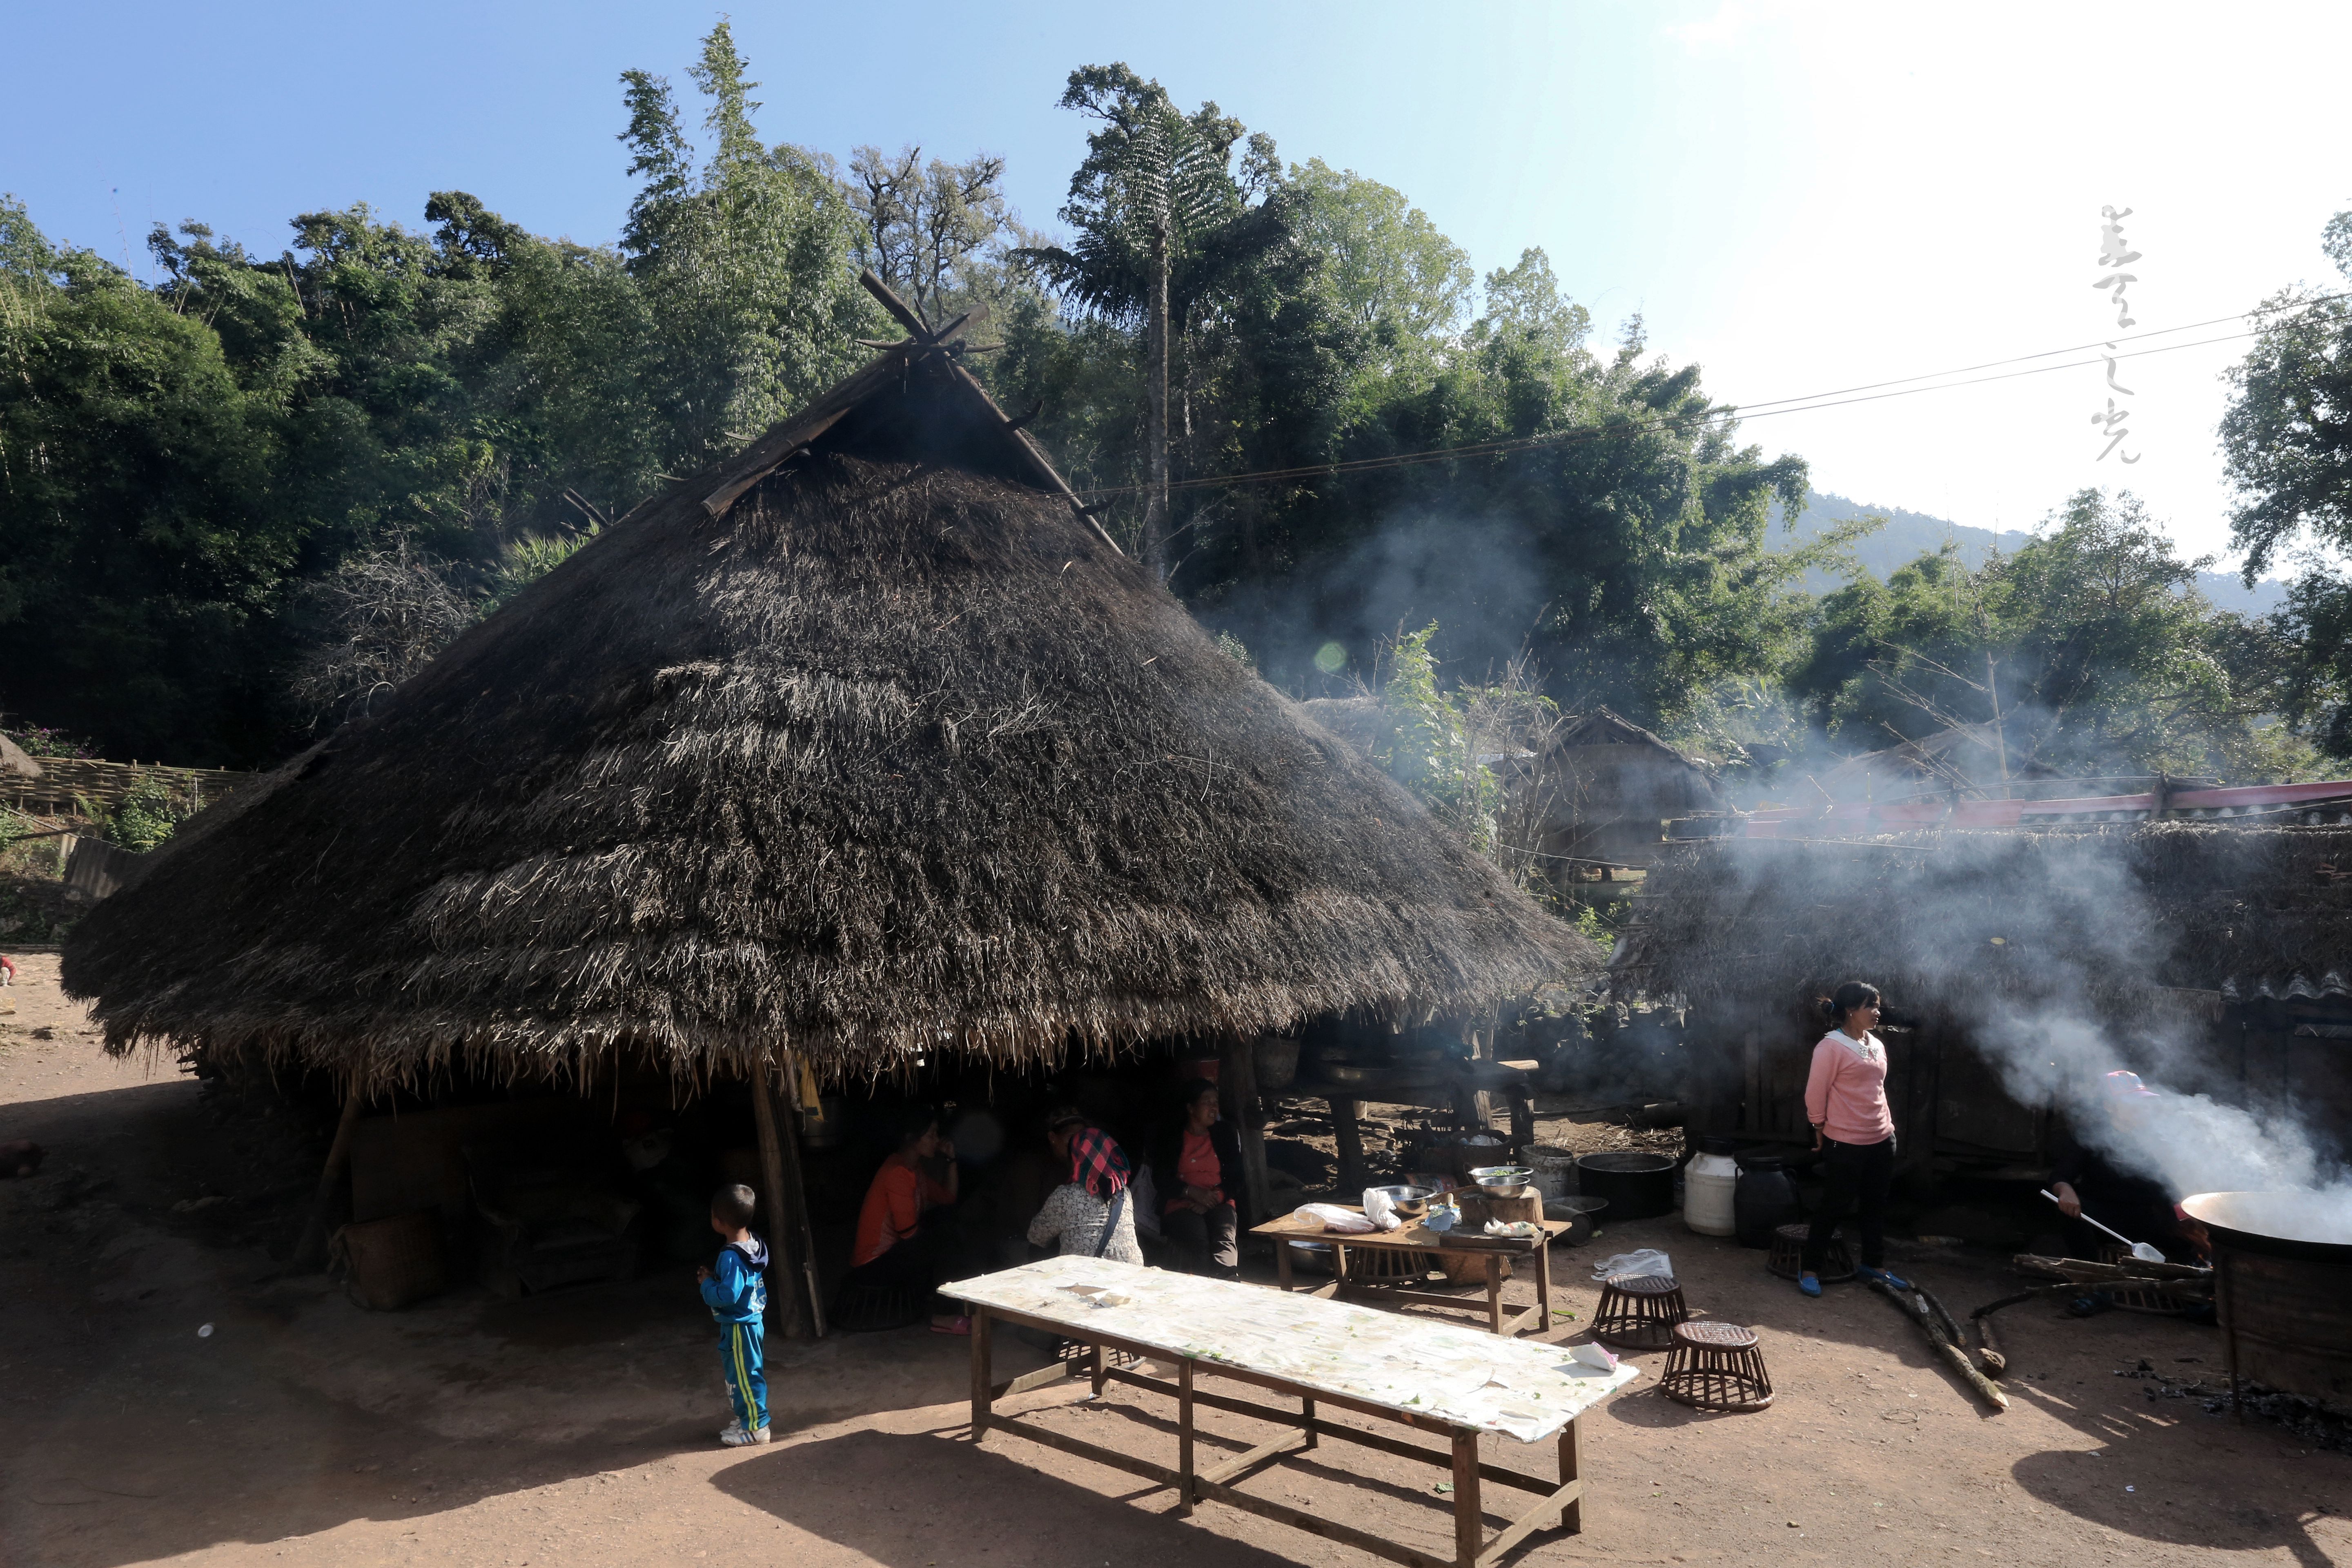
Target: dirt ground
(576,1428)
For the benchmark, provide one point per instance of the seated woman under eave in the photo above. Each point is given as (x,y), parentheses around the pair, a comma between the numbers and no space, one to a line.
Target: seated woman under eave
(896,1248)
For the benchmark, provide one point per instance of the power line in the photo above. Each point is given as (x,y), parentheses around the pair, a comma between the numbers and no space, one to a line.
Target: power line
(2081,348)
(1837,398)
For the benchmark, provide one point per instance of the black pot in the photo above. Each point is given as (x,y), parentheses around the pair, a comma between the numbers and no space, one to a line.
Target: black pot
(1638,1184)
(1764,1201)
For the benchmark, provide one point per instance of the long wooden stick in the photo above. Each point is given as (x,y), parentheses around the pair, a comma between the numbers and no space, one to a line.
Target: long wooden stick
(1950,1330)
(1916,1310)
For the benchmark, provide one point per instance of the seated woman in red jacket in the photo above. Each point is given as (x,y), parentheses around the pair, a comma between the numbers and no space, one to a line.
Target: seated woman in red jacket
(1197,1167)
(895,1250)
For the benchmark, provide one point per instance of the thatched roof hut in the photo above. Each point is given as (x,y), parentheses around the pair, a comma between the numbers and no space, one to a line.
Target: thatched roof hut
(15,762)
(864,745)
(1603,791)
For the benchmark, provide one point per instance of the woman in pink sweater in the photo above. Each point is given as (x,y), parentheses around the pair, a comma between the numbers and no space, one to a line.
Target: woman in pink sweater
(1846,1099)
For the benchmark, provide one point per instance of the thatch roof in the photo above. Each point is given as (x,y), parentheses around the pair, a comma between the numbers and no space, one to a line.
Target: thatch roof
(15,762)
(1603,728)
(2117,919)
(867,745)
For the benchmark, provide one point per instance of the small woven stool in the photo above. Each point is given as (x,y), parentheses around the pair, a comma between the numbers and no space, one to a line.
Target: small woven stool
(1639,1312)
(1787,1259)
(876,1309)
(1716,1365)
(1371,1265)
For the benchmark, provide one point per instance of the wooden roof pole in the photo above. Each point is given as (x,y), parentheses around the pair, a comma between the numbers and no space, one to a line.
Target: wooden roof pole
(1032,455)
(310,1251)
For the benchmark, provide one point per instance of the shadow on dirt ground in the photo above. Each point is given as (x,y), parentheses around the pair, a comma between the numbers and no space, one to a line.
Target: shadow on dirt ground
(917,1499)
(2126,1487)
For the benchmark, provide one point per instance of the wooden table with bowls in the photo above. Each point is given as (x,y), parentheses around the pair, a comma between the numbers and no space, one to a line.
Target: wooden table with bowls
(1416,1236)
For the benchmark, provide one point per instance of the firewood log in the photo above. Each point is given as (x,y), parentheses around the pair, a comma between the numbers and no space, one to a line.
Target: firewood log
(1952,1355)
(1989,1349)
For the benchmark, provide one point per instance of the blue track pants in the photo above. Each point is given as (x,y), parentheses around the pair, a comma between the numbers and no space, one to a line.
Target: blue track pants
(742,1354)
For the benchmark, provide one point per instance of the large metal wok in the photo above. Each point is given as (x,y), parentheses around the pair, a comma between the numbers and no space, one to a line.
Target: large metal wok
(2282,1276)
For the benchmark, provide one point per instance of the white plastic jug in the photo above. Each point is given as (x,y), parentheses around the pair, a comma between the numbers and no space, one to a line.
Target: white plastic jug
(1709,1183)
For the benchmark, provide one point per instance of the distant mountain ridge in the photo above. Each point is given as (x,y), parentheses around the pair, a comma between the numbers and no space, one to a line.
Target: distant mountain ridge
(1911,534)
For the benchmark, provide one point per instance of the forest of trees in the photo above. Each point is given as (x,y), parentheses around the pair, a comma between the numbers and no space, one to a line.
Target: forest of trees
(239,502)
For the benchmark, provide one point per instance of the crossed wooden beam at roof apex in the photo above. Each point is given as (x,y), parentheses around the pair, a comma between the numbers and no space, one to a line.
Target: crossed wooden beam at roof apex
(911,319)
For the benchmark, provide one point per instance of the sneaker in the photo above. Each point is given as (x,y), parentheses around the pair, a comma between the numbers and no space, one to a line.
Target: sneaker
(736,1437)
(961,1325)
(1810,1284)
(727,1433)
(1880,1277)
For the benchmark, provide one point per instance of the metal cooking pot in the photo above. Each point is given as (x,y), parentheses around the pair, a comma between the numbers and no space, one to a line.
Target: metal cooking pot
(1581,1214)
(1639,1184)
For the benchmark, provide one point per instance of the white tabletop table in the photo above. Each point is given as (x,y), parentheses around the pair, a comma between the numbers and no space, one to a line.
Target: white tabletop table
(1454,1380)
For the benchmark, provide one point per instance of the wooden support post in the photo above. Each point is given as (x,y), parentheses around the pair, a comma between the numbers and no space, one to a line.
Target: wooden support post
(1306,1421)
(983,1382)
(790,1311)
(1751,1067)
(1543,1285)
(311,1252)
(1184,1437)
(1571,1517)
(1352,1146)
(1237,1089)
(1495,1293)
(788,1073)
(1523,1116)
(1467,1528)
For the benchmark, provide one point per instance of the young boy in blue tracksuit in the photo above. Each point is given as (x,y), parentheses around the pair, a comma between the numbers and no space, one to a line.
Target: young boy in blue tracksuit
(737,1294)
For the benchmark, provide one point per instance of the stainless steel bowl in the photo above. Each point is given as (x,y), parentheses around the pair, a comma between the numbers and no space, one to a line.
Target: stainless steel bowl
(1504,1179)
(1410,1203)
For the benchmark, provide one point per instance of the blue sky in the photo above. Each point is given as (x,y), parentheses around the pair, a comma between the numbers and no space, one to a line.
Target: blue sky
(1800,197)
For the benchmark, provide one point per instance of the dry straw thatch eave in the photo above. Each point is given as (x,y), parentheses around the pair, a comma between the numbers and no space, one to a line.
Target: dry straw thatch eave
(2109,921)
(895,757)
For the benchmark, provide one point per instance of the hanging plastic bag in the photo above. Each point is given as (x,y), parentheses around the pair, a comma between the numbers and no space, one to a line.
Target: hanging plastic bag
(1649,1260)
(1331,1216)
(1379,1210)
